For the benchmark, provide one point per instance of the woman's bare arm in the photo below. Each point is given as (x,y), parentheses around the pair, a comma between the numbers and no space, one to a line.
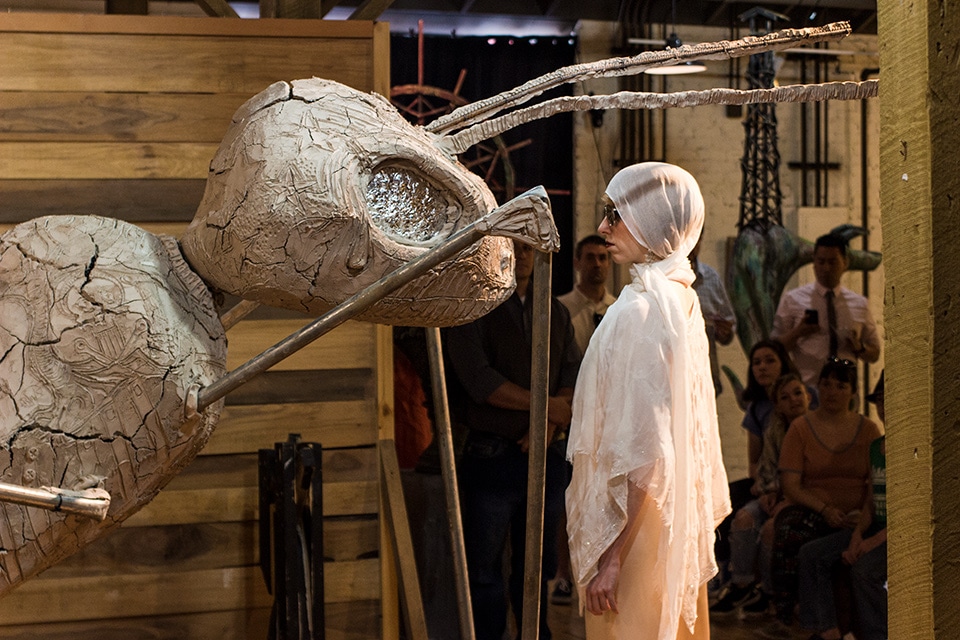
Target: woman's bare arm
(601,593)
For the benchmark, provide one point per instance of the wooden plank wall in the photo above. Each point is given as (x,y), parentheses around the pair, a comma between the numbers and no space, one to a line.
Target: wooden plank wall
(119,116)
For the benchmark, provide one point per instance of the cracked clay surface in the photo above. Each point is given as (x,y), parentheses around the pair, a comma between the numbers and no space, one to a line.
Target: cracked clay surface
(103,329)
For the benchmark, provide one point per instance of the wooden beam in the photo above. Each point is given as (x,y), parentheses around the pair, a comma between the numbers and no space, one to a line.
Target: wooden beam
(919,192)
(217,8)
(326,6)
(132,7)
(370,9)
(297,9)
(27,22)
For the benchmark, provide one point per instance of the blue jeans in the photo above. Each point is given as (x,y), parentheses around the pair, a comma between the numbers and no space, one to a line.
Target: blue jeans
(745,550)
(494,498)
(818,610)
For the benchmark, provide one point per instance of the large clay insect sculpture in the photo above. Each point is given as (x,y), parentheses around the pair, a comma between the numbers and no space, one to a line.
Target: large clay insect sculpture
(320,199)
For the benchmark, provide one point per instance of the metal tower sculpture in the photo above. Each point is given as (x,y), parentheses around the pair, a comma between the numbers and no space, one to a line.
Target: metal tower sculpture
(760,164)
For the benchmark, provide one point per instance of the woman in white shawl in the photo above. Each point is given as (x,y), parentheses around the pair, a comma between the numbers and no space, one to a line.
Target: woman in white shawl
(648,486)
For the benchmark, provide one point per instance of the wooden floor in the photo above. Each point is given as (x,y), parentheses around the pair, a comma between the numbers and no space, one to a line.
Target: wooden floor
(566,624)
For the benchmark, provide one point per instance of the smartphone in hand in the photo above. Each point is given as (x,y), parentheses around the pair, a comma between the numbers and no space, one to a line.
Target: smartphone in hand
(811,316)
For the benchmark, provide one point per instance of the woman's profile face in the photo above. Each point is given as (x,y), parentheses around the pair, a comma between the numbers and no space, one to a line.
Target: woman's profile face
(835,395)
(792,400)
(623,247)
(766,366)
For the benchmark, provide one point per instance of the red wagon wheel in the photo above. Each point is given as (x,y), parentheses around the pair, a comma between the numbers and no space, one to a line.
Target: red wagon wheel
(490,160)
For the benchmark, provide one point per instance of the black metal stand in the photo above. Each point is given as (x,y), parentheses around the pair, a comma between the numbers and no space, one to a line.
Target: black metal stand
(291,538)
(760,197)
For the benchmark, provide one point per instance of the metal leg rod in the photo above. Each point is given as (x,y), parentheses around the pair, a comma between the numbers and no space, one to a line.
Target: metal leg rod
(526,217)
(536,472)
(444,434)
(89,503)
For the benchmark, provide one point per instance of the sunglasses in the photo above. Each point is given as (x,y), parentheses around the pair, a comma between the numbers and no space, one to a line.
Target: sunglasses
(611,215)
(843,362)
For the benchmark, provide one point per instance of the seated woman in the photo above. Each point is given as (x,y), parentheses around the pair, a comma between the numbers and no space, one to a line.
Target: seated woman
(768,361)
(864,549)
(824,473)
(747,551)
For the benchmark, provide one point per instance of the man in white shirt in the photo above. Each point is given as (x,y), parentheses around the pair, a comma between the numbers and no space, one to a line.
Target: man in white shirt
(589,299)
(823,319)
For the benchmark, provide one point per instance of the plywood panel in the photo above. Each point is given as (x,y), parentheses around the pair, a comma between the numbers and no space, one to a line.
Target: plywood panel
(158,199)
(305,386)
(331,424)
(174,63)
(101,160)
(348,346)
(224,489)
(202,545)
(239,624)
(59,116)
(356,620)
(167,25)
(91,597)
(240,503)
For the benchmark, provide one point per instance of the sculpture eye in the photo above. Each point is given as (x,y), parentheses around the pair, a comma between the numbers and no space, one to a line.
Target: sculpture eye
(407,207)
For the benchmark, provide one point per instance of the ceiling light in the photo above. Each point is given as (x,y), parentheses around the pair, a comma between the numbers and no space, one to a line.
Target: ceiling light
(674,42)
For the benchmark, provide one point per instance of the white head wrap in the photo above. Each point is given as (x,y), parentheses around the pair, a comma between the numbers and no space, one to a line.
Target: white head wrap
(644,410)
(662,208)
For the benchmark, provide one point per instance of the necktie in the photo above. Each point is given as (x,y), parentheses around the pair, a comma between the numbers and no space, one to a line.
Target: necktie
(832,323)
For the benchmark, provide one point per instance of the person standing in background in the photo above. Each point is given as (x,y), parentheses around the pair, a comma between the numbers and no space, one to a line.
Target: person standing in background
(824,319)
(589,299)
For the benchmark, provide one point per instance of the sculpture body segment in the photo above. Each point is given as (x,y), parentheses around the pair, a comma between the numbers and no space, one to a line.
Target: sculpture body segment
(105,329)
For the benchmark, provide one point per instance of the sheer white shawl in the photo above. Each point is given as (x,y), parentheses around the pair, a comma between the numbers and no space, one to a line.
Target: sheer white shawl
(644,409)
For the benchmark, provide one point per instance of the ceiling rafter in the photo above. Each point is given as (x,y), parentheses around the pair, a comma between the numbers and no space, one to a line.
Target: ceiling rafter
(370,9)
(217,8)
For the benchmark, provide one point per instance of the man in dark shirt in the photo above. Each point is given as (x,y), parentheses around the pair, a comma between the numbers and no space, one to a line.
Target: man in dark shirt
(490,359)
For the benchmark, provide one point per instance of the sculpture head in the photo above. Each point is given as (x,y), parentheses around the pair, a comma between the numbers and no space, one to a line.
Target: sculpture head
(319,190)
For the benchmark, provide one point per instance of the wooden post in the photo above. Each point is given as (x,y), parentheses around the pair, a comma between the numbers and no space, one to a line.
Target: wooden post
(448,465)
(920,197)
(537,455)
(395,515)
(389,580)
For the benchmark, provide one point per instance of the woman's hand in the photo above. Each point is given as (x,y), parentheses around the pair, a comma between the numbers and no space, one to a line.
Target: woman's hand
(601,593)
(853,552)
(767,502)
(834,517)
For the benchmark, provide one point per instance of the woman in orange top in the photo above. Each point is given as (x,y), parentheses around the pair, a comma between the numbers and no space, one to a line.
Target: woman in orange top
(824,474)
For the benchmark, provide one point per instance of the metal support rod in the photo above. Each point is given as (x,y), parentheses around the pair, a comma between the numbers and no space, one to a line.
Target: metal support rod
(537,453)
(90,503)
(336,316)
(238,312)
(530,211)
(448,467)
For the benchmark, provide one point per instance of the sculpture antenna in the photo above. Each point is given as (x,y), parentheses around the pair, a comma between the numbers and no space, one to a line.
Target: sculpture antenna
(483,109)
(463,140)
